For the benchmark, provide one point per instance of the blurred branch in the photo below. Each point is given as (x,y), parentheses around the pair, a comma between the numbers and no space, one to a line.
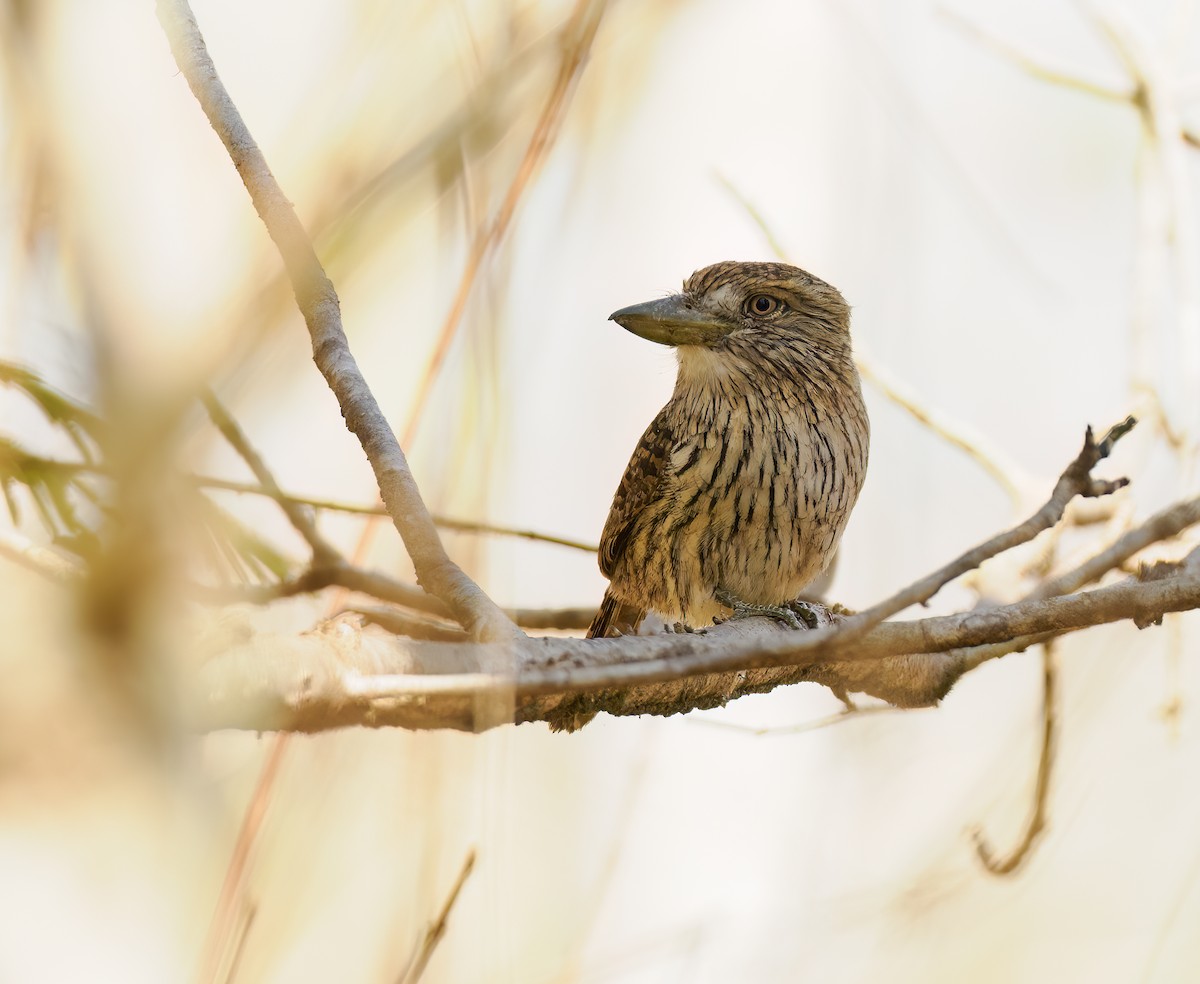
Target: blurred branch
(1037,64)
(1037,820)
(1007,473)
(1156,100)
(318,301)
(69,469)
(578,35)
(850,713)
(296,513)
(225,920)
(437,929)
(445,522)
(343,575)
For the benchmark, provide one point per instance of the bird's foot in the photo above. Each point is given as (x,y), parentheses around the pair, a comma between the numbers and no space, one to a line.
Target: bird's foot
(813,614)
(743,609)
(681,628)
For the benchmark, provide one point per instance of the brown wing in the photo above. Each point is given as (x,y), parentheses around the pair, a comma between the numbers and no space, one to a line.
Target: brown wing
(640,485)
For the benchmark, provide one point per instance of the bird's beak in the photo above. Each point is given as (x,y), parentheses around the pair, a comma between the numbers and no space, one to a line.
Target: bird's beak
(671,321)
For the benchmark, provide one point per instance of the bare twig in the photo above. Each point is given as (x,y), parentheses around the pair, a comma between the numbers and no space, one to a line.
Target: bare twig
(845,714)
(72,468)
(437,929)
(318,302)
(1038,64)
(992,460)
(1161,526)
(385,588)
(296,513)
(445,522)
(1037,820)
(1076,480)
(1006,473)
(222,923)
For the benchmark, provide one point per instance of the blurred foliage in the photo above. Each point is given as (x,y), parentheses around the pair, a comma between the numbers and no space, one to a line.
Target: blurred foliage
(69,497)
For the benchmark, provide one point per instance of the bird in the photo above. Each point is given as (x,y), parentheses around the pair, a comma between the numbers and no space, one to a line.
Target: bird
(737,495)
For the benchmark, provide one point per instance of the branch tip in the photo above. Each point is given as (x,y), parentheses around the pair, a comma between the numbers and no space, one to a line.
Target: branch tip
(1115,433)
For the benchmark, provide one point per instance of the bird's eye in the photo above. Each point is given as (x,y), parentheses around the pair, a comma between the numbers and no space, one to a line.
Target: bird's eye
(761,305)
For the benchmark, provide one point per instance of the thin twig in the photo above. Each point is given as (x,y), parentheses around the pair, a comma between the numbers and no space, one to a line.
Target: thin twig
(1006,473)
(437,929)
(818,724)
(239,945)
(318,301)
(296,513)
(991,459)
(1038,64)
(384,588)
(1161,526)
(445,522)
(1076,480)
(74,468)
(38,559)
(215,942)
(1037,820)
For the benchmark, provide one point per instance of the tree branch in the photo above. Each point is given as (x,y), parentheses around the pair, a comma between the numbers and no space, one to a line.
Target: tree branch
(318,303)
(345,675)
(1007,864)
(1076,480)
(297,514)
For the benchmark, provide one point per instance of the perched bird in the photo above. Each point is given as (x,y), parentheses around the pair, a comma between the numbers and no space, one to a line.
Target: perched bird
(736,496)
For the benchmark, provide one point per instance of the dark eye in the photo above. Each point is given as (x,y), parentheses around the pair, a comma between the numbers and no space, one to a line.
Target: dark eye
(761,305)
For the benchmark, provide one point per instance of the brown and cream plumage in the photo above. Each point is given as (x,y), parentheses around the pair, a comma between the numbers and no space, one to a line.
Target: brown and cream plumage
(738,492)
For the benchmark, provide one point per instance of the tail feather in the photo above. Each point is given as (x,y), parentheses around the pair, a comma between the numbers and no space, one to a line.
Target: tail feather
(615,617)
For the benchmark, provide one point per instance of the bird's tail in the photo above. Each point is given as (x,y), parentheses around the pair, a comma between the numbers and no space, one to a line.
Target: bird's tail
(615,617)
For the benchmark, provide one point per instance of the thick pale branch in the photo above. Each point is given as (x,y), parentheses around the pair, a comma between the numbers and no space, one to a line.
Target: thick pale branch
(319,304)
(345,675)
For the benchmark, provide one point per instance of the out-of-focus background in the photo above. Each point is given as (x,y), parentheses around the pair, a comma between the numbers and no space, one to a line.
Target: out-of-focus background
(1005,194)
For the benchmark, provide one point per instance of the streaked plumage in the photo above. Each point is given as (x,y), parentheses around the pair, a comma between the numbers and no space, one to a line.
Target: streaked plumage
(744,481)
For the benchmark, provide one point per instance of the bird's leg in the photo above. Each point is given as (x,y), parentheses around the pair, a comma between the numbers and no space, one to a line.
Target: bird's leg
(742,609)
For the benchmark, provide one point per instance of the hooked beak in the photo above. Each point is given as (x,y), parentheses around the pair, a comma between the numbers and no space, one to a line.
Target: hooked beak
(671,321)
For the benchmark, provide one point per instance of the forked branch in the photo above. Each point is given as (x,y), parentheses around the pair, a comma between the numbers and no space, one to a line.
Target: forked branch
(318,303)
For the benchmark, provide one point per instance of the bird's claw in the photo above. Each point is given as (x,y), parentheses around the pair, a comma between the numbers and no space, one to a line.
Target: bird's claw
(813,615)
(742,609)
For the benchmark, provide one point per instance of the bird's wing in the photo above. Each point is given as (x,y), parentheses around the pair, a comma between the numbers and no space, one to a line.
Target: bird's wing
(643,482)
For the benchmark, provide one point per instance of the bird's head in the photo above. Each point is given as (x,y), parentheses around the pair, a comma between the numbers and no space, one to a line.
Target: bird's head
(730,301)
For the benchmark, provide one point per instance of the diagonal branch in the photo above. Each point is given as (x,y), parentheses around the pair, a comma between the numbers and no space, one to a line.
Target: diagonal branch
(1076,480)
(318,302)
(296,513)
